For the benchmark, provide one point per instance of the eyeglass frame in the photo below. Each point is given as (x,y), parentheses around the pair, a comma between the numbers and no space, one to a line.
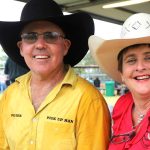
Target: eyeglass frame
(130,136)
(146,137)
(44,34)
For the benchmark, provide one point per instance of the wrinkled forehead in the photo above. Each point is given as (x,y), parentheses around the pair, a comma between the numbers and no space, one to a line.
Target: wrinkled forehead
(41,25)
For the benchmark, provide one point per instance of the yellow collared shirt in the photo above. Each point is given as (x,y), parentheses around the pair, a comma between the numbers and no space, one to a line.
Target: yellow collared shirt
(73,116)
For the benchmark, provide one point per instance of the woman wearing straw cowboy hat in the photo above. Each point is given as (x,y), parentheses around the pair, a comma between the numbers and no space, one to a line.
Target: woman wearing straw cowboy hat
(127,60)
(50,108)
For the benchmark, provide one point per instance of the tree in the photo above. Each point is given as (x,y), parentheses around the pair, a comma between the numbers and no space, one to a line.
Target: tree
(3,58)
(87,60)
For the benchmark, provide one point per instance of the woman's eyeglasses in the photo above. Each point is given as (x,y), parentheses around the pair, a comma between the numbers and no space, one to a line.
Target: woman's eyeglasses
(121,138)
(49,37)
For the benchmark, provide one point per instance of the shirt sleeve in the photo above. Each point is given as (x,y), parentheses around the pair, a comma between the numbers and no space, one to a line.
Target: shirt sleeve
(93,123)
(3,141)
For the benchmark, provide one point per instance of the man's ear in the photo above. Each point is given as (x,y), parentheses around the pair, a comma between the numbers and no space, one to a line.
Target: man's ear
(19,44)
(67,44)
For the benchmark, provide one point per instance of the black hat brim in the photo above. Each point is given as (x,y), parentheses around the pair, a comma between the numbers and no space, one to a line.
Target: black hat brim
(77,27)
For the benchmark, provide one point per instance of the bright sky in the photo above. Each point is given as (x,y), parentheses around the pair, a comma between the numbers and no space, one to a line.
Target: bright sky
(10,10)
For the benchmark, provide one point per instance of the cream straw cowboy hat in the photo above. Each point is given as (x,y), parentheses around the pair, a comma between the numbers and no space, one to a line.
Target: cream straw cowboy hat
(77,27)
(135,30)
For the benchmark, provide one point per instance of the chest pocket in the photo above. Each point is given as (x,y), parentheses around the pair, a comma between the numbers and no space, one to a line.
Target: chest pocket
(59,135)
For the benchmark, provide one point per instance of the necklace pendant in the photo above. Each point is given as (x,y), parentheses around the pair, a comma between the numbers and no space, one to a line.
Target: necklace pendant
(141,116)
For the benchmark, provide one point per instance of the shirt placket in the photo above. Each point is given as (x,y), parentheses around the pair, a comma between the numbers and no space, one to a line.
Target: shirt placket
(33,137)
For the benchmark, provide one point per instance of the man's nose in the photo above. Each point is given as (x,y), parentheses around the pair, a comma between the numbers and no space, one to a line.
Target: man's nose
(40,43)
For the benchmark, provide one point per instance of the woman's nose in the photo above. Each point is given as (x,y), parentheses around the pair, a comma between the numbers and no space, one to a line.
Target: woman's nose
(140,66)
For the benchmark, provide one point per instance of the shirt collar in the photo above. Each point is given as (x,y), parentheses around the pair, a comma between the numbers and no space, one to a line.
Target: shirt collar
(70,77)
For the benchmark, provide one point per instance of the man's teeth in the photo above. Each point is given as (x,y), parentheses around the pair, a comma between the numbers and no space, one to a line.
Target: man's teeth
(142,77)
(41,57)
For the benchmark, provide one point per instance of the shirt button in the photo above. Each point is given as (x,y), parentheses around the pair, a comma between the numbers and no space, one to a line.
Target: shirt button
(56,129)
(31,141)
(34,119)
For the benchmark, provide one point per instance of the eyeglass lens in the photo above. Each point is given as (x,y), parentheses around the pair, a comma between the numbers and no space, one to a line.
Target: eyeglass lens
(49,37)
(146,140)
(117,139)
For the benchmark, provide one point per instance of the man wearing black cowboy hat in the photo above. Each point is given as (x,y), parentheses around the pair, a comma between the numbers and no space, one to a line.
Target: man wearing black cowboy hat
(50,108)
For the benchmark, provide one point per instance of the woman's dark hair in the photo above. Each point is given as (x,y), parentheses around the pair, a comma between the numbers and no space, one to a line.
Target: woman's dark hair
(123,51)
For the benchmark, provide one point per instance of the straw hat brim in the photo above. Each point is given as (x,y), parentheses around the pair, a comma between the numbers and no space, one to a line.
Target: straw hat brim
(105,53)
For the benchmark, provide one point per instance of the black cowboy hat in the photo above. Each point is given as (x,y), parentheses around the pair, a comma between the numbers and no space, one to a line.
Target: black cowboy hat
(77,27)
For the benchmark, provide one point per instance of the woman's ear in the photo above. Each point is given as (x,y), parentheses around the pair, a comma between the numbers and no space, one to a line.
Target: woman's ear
(122,78)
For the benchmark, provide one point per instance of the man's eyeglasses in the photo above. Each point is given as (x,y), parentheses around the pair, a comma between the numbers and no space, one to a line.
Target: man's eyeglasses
(49,37)
(121,138)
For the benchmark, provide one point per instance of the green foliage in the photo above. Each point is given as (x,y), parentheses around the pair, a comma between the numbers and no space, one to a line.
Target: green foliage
(87,60)
(90,69)
(3,58)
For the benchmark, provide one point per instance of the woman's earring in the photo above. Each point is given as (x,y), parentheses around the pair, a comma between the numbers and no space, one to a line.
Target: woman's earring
(122,80)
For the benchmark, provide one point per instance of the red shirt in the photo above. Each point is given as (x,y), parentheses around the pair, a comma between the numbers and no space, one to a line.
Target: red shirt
(122,124)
